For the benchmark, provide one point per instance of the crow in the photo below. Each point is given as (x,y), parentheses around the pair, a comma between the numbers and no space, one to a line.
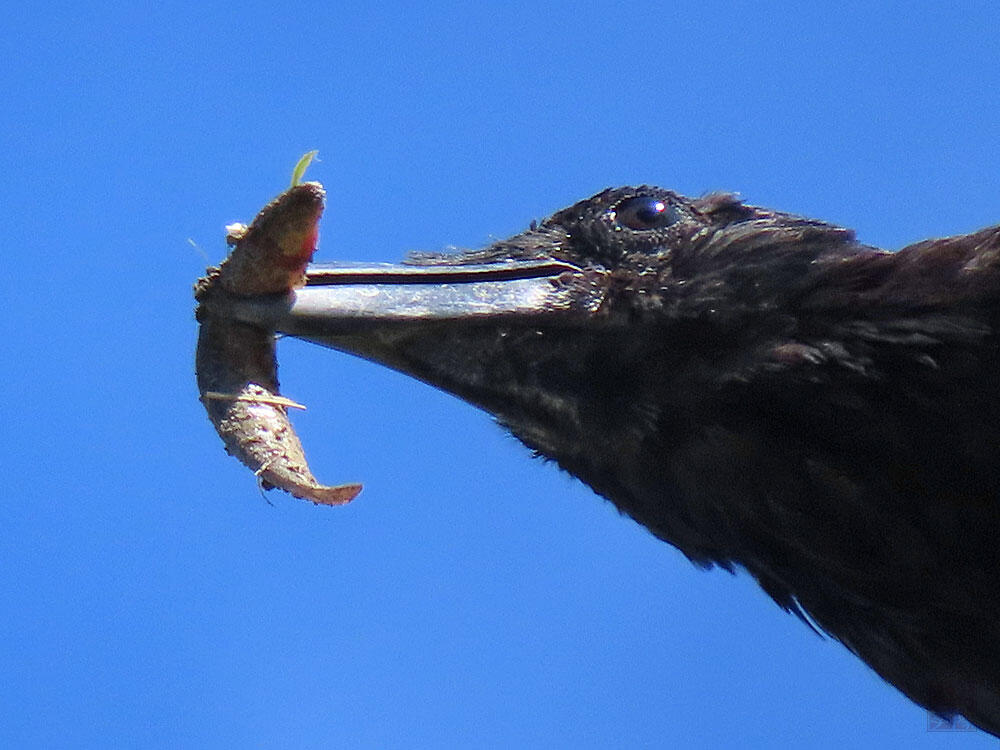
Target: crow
(758,389)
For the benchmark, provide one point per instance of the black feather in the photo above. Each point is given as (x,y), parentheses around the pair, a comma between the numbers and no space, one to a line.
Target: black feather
(762,391)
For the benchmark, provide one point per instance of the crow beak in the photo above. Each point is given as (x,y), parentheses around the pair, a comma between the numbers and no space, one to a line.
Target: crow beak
(403,316)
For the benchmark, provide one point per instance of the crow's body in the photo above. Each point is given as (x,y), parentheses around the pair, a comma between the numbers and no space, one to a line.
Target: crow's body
(764,392)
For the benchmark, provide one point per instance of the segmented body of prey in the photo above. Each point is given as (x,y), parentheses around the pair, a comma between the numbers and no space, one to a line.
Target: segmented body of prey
(235,362)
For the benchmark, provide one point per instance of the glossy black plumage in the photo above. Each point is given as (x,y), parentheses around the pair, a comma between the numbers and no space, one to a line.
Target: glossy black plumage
(763,392)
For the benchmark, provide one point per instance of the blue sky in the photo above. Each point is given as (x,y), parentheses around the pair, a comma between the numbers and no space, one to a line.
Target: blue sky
(471,596)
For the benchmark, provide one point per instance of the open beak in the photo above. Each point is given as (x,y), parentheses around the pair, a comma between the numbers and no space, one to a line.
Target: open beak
(481,331)
(382,311)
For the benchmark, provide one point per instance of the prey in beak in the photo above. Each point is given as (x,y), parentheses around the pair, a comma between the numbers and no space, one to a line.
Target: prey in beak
(758,389)
(448,325)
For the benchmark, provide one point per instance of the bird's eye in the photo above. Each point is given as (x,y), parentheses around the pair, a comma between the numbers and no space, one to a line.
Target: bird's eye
(645,212)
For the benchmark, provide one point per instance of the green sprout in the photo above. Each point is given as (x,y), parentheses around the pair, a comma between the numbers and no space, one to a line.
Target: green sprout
(301,166)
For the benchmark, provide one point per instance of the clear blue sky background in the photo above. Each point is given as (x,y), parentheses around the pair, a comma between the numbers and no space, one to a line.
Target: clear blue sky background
(470,597)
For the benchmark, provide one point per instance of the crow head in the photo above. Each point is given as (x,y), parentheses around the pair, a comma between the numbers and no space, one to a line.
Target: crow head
(756,388)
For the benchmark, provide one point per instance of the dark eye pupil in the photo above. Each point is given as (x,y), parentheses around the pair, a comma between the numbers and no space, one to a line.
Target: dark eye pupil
(645,212)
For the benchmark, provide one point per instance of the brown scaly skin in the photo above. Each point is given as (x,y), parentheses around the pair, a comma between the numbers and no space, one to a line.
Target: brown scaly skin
(235,362)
